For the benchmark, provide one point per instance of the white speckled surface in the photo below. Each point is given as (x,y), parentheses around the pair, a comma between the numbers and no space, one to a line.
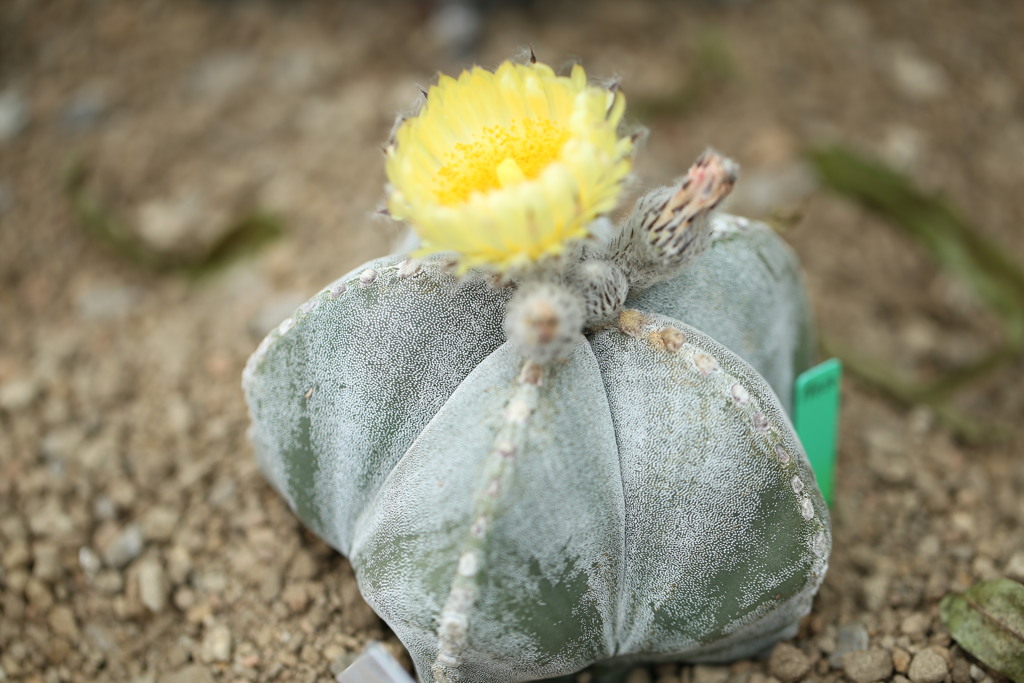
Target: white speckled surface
(648,506)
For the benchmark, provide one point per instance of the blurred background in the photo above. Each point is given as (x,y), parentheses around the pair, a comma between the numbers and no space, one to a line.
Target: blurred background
(176,177)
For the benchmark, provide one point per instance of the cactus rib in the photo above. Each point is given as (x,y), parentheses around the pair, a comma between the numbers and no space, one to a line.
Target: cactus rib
(454,624)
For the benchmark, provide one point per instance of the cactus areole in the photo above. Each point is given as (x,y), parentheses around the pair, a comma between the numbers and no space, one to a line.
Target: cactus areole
(545,441)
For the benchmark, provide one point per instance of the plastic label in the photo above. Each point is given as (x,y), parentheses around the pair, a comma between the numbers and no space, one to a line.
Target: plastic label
(816,419)
(375,665)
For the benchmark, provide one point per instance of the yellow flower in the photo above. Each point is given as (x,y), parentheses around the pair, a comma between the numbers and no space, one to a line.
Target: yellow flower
(508,167)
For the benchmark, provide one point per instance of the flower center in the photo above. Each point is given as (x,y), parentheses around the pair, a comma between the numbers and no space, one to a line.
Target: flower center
(499,157)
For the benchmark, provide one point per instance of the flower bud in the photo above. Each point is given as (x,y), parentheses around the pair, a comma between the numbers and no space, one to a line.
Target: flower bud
(669,227)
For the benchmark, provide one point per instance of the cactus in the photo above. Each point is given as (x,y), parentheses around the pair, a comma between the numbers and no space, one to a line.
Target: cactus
(572,449)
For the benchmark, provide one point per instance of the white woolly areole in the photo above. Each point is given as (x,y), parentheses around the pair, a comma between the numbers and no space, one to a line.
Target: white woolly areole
(544,321)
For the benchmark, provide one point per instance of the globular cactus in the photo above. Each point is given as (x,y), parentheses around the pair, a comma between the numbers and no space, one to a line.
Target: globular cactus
(573,449)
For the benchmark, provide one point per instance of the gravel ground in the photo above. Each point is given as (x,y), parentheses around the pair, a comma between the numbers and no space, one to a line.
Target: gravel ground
(138,541)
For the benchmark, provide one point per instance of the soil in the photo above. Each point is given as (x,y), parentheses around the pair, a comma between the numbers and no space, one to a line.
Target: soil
(138,540)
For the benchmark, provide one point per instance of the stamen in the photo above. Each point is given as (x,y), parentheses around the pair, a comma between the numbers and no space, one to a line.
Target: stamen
(499,157)
(509,173)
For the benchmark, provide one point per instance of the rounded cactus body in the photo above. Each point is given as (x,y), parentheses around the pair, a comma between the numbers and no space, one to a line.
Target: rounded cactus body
(644,498)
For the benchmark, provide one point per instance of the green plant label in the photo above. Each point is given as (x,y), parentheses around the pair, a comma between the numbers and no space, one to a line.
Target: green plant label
(816,418)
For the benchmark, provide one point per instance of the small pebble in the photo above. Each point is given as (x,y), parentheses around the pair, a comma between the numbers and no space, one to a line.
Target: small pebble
(900,660)
(62,621)
(216,645)
(124,547)
(1015,566)
(297,597)
(179,564)
(928,666)
(788,663)
(639,676)
(38,594)
(961,671)
(16,395)
(16,554)
(184,599)
(876,591)
(46,564)
(104,508)
(865,666)
(304,566)
(152,585)
(159,523)
(89,560)
(915,626)
(703,673)
(849,638)
(916,77)
(269,581)
(109,582)
(51,520)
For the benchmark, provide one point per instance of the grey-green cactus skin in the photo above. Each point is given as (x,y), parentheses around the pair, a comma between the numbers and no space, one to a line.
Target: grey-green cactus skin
(339,390)
(649,502)
(754,276)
